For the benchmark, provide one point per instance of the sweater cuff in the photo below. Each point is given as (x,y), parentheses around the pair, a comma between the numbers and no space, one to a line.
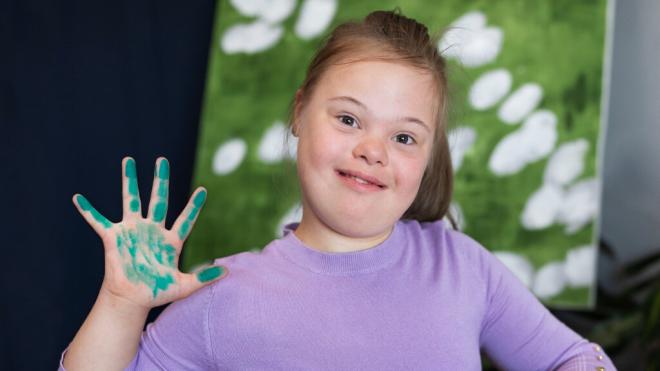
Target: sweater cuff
(590,358)
(61,368)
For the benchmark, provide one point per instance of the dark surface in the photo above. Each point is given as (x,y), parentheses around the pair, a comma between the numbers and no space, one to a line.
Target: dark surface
(84,84)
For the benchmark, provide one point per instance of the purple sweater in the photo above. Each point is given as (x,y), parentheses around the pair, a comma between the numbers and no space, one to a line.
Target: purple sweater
(426,298)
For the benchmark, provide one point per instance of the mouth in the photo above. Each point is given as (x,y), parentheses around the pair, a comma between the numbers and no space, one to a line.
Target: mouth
(361,178)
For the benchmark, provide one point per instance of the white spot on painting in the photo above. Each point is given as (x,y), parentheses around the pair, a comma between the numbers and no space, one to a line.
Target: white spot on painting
(520,103)
(542,207)
(250,38)
(518,265)
(580,266)
(580,205)
(533,141)
(460,140)
(229,156)
(550,280)
(489,89)
(315,16)
(567,163)
(271,11)
(554,202)
(469,40)
(272,144)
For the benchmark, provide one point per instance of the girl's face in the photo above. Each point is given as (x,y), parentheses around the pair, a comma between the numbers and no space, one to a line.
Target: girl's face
(365,136)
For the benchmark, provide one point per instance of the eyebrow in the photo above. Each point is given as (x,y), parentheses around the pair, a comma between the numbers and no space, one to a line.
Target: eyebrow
(361,105)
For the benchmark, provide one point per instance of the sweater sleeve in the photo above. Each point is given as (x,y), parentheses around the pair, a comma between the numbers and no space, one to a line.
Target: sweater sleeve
(178,339)
(519,333)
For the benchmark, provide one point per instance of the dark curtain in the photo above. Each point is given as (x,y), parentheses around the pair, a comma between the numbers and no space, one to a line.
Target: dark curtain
(83,84)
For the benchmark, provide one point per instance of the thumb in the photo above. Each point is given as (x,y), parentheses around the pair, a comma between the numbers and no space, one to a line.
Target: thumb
(204,276)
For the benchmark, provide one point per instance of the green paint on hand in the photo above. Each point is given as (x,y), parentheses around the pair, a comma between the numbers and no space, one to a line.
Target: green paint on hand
(210,273)
(199,198)
(198,201)
(162,189)
(86,206)
(131,174)
(149,260)
(193,214)
(132,186)
(183,231)
(159,211)
(130,168)
(160,207)
(164,171)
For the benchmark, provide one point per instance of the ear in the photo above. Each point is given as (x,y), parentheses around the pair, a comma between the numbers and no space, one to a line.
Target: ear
(297,110)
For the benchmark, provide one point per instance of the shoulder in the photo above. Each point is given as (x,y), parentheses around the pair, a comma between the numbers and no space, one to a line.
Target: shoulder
(247,272)
(451,249)
(437,235)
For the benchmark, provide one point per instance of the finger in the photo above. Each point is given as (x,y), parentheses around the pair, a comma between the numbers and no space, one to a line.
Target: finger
(186,220)
(191,282)
(160,191)
(130,192)
(97,221)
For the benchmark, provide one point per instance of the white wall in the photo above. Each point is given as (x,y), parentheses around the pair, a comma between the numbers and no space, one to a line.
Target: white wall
(631,174)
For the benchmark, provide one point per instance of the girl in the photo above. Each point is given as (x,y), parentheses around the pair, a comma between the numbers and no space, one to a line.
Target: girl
(369,279)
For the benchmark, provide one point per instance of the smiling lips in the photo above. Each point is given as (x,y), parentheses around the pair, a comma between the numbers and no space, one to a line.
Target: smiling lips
(361,179)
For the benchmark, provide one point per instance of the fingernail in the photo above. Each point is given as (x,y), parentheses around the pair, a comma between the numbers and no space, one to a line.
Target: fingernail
(210,273)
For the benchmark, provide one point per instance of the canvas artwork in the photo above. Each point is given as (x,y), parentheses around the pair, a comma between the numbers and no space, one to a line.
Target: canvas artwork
(525,133)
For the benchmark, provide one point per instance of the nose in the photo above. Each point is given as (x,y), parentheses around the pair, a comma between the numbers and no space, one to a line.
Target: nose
(372,150)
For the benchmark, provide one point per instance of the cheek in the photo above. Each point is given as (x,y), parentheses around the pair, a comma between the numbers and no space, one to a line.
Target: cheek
(410,175)
(324,147)
(315,149)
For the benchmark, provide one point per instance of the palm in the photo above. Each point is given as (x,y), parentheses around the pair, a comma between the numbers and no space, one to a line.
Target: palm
(141,254)
(145,256)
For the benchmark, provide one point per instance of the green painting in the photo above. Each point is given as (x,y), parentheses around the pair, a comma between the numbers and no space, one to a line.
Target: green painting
(525,134)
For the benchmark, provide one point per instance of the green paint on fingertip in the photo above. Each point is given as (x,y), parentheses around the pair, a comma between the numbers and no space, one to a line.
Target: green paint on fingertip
(86,206)
(199,198)
(164,169)
(130,168)
(159,211)
(131,174)
(210,273)
(135,205)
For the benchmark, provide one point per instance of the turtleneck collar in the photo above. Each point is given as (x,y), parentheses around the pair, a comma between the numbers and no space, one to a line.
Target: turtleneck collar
(344,263)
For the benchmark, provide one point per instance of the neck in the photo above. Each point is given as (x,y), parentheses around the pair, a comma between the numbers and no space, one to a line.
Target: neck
(319,236)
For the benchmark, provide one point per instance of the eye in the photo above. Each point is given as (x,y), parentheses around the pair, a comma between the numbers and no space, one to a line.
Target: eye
(404,139)
(347,120)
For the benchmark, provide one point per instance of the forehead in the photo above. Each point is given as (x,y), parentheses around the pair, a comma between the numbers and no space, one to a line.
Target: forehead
(390,88)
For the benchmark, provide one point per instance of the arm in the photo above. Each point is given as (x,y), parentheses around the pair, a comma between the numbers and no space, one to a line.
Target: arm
(141,272)
(109,336)
(519,333)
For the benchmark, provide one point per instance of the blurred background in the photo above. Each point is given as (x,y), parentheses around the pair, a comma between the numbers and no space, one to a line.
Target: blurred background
(83,84)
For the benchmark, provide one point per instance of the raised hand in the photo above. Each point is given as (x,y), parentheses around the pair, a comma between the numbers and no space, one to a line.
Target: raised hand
(141,254)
